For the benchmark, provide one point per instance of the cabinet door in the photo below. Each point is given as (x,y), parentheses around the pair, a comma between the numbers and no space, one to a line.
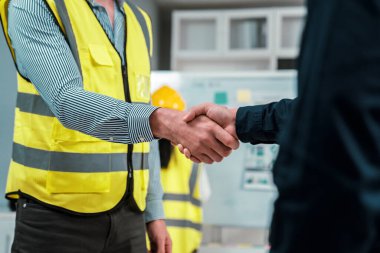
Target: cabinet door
(250,35)
(249,32)
(289,26)
(196,33)
(196,37)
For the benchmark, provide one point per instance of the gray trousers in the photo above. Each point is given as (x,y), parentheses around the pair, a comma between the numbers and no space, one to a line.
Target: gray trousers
(44,230)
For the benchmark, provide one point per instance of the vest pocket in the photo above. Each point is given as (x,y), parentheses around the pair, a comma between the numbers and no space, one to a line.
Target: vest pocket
(140,91)
(100,55)
(99,69)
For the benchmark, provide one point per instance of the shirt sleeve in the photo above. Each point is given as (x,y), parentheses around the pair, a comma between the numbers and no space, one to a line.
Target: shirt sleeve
(154,209)
(263,123)
(44,57)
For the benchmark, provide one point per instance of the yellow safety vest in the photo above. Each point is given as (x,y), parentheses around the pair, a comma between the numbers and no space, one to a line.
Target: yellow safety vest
(182,204)
(68,169)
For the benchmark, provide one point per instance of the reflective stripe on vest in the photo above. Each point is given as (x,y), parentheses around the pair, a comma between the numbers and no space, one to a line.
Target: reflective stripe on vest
(183,224)
(74,162)
(182,205)
(66,168)
(31,103)
(187,197)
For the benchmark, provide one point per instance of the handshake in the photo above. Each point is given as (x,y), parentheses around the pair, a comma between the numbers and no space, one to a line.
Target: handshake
(206,133)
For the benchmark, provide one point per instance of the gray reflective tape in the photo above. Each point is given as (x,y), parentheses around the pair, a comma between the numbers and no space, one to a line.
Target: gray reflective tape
(74,162)
(142,21)
(182,198)
(187,197)
(31,103)
(193,178)
(69,33)
(183,224)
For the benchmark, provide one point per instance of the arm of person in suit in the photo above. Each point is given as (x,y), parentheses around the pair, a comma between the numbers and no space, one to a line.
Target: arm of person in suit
(253,124)
(263,123)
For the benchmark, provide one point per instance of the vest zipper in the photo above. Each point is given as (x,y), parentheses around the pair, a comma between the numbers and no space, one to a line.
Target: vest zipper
(127,94)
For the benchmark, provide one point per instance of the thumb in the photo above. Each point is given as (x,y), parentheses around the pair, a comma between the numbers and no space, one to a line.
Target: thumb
(231,129)
(189,116)
(196,111)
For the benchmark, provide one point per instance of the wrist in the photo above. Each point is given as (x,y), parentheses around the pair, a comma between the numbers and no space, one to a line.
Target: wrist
(160,123)
(233,113)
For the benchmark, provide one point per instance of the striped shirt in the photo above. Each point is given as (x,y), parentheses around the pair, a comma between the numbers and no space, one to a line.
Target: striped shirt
(44,57)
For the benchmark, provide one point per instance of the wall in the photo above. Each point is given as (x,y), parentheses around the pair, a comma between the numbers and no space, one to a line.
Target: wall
(7,103)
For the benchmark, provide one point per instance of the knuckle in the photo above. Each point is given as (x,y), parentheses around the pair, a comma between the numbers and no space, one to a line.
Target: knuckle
(231,142)
(226,153)
(218,159)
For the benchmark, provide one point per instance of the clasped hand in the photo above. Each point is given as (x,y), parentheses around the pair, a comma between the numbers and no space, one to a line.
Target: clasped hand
(222,116)
(206,133)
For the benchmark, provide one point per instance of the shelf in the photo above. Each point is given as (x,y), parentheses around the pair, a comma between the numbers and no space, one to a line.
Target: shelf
(222,64)
(240,39)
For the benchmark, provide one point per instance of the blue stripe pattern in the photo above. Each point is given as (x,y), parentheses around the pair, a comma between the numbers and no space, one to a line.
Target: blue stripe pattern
(44,57)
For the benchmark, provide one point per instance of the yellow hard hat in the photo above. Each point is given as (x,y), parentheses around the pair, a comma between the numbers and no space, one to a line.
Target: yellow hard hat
(167,97)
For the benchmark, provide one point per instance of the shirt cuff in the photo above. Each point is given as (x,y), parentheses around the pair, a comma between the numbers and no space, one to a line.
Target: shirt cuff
(249,123)
(154,211)
(138,123)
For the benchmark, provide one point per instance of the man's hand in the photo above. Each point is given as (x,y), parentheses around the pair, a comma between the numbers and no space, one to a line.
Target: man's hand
(160,241)
(206,140)
(221,115)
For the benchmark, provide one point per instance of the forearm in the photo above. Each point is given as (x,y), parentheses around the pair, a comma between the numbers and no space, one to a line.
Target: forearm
(154,209)
(104,117)
(263,123)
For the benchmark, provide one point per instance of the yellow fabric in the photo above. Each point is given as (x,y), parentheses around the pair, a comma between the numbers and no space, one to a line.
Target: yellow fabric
(167,97)
(175,180)
(90,191)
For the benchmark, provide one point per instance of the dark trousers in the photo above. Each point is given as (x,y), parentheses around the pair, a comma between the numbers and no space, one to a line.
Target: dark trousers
(44,230)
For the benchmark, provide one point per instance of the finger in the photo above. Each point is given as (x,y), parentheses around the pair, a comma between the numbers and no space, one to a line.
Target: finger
(231,129)
(189,116)
(194,159)
(181,148)
(196,111)
(215,145)
(187,153)
(205,159)
(212,154)
(160,246)
(227,139)
(168,246)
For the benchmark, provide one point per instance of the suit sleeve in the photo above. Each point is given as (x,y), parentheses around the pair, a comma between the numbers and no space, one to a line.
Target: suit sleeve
(263,123)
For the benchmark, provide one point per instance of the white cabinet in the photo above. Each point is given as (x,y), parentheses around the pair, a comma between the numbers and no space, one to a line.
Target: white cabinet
(246,39)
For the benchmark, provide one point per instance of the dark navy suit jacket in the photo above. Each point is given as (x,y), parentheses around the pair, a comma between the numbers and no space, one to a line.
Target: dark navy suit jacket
(328,168)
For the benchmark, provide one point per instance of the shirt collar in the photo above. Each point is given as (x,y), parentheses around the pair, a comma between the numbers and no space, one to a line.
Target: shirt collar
(120,4)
